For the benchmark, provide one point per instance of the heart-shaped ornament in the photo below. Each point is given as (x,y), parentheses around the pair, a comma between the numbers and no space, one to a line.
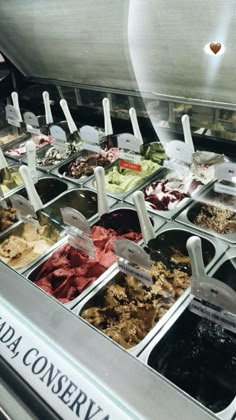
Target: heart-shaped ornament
(215,48)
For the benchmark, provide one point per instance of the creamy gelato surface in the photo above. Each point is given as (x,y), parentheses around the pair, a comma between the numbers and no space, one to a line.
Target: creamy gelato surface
(19,251)
(120,180)
(127,309)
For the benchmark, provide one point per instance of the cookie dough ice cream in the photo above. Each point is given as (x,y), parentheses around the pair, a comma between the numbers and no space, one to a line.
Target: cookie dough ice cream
(127,309)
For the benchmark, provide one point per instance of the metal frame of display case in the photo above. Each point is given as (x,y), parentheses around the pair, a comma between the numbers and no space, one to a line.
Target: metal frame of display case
(119,383)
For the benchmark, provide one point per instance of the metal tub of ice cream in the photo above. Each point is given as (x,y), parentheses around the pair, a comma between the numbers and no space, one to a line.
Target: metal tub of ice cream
(132,313)
(174,236)
(81,199)
(68,272)
(209,215)
(33,273)
(197,355)
(80,169)
(167,195)
(10,134)
(24,244)
(51,156)
(122,182)
(48,188)
(17,149)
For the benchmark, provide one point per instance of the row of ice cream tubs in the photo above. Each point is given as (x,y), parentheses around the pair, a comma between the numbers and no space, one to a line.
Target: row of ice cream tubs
(154,322)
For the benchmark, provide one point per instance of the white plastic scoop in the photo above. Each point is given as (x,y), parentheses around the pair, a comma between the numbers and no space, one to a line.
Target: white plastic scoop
(107,117)
(31,159)
(34,198)
(135,125)
(15,100)
(103,206)
(194,247)
(187,132)
(144,220)
(47,107)
(69,119)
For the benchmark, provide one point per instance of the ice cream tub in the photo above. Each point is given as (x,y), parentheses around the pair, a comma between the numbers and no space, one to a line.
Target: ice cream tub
(168,199)
(99,310)
(12,183)
(10,134)
(48,188)
(26,243)
(52,155)
(32,273)
(175,235)
(17,149)
(120,294)
(67,272)
(80,169)
(136,178)
(81,199)
(128,213)
(198,356)
(212,214)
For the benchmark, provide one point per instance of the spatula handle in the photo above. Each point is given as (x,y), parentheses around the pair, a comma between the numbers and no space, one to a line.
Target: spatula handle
(135,125)
(15,100)
(30,188)
(194,247)
(144,220)
(47,107)
(103,206)
(187,132)
(69,119)
(107,117)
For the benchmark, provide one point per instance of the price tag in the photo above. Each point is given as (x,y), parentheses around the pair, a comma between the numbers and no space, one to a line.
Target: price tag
(129,165)
(32,123)
(24,210)
(225,172)
(214,291)
(58,133)
(129,152)
(176,166)
(133,260)
(78,230)
(90,139)
(180,156)
(12,116)
(226,320)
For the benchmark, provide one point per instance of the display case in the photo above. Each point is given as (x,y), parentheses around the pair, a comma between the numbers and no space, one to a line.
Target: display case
(54,361)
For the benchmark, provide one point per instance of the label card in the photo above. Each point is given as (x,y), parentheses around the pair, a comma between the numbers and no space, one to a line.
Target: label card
(57,133)
(128,142)
(177,166)
(180,157)
(12,116)
(226,320)
(78,230)
(179,150)
(129,152)
(24,210)
(225,172)
(133,260)
(90,139)
(32,123)
(89,134)
(129,165)
(214,291)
